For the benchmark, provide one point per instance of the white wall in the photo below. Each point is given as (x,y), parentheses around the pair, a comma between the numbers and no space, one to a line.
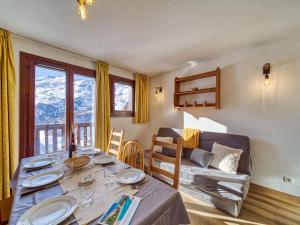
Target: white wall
(132,131)
(269,115)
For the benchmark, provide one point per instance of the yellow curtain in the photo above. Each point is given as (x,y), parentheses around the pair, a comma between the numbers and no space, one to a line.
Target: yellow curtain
(102,106)
(141,99)
(8,152)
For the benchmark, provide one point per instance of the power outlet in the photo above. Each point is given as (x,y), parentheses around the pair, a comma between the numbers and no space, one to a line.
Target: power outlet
(288,179)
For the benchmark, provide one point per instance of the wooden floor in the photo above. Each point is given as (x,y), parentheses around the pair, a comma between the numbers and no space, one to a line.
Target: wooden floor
(262,206)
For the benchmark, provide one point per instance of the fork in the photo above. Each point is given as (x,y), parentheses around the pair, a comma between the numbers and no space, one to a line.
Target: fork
(73,221)
(136,186)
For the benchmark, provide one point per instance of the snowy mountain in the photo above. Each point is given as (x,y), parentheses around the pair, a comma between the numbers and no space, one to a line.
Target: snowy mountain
(50,100)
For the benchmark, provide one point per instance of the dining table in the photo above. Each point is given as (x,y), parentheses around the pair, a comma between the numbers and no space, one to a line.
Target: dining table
(160,203)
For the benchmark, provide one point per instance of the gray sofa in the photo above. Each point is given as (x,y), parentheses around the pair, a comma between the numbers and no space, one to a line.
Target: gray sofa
(215,187)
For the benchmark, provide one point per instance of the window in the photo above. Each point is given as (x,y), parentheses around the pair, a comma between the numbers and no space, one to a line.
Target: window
(53,97)
(122,96)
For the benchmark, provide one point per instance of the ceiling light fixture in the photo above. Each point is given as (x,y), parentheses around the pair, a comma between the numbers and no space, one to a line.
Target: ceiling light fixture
(82,8)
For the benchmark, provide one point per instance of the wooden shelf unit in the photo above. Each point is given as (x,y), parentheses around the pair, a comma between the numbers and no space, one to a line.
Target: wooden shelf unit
(215,73)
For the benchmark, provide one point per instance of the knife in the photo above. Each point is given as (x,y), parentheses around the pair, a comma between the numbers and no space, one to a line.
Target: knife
(39,189)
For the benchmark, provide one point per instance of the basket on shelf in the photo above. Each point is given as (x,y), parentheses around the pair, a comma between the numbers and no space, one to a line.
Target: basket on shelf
(78,162)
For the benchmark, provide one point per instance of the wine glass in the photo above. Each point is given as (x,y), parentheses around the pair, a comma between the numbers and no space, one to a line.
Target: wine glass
(108,176)
(89,152)
(67,170)
(58,157)
(87,191)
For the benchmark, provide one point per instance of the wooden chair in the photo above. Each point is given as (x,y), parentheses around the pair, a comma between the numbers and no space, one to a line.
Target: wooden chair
(133,155)
(176,161)
(115,142)
(5,207)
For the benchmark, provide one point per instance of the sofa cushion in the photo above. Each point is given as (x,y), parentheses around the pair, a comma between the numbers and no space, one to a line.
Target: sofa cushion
(207,139)
(215,187)
(231,186)
(201,157)
(233,141)
(225,158)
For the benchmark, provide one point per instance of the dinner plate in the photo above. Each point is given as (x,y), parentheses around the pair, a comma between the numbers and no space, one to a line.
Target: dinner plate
(42,178)
(105,159)
(97,151)
(38,163)
(130,176)
(50,211)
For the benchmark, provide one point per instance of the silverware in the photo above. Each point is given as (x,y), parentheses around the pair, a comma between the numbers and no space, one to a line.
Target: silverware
(98,171)
(37,169)
(39,189)
(149,193)
(73,221)
(136,186)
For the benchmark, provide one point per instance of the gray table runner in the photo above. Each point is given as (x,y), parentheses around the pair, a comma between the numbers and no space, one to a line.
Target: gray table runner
(161,203)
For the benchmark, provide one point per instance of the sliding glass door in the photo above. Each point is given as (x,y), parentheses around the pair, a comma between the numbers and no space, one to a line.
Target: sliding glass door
(49,109)
(55,97)
(84,110)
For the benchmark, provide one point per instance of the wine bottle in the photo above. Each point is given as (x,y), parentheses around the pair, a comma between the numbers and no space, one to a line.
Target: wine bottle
(72,147)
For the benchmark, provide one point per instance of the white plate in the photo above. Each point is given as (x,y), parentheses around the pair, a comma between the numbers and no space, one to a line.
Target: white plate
(105,159)
(130,176)
(50,211)
(37,163)
(97,151)
(42,178)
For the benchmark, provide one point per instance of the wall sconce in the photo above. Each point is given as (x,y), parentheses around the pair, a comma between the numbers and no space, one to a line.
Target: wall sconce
(158,90)
(266,72)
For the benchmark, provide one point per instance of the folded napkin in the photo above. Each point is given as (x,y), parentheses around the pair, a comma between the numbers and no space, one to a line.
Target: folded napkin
(190,138)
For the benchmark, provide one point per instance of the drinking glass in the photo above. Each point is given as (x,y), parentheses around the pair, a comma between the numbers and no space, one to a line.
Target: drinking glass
(89,152)
(58,157)
(108,176)
(87,191)
(67,170)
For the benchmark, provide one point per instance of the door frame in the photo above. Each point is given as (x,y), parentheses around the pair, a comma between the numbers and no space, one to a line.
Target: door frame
(27,97)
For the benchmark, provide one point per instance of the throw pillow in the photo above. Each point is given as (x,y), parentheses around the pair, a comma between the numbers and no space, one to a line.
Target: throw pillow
(225,158)
(201,157)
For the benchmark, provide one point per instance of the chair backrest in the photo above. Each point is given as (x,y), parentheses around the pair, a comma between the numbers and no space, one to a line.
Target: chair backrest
(115,142)
(173,160)
(133,155)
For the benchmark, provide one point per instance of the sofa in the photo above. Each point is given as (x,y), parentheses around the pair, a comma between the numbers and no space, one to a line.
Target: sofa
(217,188)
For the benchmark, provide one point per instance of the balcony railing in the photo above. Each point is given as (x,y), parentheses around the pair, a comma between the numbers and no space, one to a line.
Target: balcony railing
(51,138)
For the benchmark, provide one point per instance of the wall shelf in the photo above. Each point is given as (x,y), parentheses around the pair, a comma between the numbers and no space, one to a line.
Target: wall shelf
(217,104)
(199,91)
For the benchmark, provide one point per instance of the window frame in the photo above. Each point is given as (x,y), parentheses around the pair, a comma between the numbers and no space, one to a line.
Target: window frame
(27,94)
(116,79)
